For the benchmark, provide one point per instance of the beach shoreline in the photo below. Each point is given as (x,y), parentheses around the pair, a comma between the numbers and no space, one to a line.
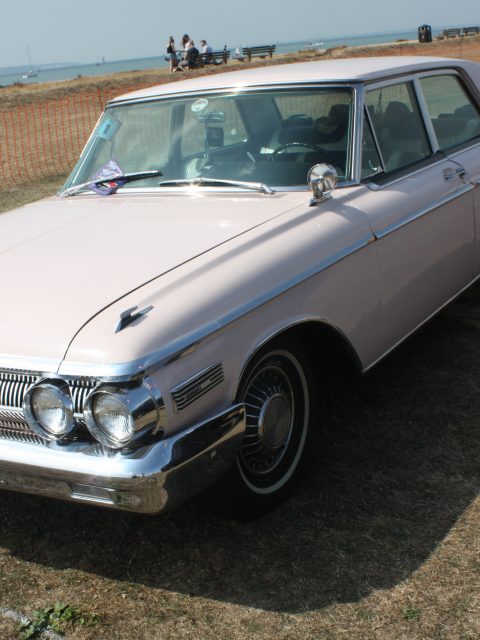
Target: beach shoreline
(14,95)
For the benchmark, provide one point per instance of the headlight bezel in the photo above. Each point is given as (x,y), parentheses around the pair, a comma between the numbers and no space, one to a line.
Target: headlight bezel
(61,390)
(146,410)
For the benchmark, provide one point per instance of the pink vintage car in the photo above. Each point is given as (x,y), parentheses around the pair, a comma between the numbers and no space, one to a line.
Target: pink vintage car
(220,240)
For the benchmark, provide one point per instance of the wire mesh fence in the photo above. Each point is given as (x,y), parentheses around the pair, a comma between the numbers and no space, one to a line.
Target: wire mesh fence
(44,139)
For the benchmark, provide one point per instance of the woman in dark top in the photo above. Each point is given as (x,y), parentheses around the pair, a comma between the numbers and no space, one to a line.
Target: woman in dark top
(172,54)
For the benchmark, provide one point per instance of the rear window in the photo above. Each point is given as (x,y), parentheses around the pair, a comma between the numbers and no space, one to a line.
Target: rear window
(398,125)
(455,116)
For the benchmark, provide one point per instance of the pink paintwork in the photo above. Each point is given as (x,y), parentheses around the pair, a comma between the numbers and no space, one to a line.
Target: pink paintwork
(222,272)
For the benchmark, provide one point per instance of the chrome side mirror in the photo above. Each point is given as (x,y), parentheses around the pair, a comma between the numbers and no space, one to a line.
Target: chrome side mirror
(322,180)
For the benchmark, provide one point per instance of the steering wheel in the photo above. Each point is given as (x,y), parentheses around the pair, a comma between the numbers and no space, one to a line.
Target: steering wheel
(305,145)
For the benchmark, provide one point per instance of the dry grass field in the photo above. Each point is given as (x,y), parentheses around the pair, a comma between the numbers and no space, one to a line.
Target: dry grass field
(381,540)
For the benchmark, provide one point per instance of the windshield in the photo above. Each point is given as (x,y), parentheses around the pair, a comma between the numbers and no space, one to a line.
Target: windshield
(270,137)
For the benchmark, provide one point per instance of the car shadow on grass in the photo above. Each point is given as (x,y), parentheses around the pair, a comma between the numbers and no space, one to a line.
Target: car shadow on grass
(395,466)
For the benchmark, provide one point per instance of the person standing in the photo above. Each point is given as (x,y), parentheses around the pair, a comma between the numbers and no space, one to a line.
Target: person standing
(186,40)
(172,54)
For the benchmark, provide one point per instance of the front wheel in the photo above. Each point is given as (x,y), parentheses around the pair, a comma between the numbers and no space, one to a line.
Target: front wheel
(276,394)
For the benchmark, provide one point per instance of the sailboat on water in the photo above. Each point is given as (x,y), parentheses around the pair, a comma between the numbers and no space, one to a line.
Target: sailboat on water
(314,43)
(31,73)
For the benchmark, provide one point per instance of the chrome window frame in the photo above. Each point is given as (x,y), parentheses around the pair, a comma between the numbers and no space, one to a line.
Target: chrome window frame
(351,175)
(472,93)
(437,156)
(405,79)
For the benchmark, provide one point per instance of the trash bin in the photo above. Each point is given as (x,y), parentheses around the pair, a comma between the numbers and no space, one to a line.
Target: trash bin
(425,33)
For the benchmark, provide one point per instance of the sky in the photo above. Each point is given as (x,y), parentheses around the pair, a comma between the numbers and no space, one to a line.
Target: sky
(84,32)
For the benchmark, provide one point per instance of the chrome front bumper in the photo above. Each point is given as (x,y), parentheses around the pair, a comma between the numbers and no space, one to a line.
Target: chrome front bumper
(146,480)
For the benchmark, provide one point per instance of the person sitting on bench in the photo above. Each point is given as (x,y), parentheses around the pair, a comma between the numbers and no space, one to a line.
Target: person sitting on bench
(191,58)
(206,50)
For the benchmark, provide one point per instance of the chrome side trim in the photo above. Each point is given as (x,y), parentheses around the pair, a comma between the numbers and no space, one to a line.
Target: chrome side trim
(185,394)
(432,315)
(184,344)
(422,212)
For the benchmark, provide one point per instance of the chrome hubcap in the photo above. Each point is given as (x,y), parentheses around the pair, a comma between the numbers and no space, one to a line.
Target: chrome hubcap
(270,418)
(274,422)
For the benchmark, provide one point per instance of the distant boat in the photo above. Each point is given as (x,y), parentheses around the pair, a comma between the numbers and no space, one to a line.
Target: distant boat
(313,45)
(31,73)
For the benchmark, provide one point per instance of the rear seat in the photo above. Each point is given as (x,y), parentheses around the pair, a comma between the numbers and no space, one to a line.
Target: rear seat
(400,134)
(328,131)
(454,130)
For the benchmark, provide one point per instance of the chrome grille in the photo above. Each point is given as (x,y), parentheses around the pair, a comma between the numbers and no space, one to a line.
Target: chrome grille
(80,388)
(13,387)
(196,387)
(18,430)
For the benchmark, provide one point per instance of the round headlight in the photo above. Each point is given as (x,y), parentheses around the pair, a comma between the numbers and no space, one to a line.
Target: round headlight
(48,408)
(120,415)
(113,419)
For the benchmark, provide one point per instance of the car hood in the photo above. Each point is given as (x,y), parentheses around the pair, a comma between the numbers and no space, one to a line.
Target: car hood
(64,260)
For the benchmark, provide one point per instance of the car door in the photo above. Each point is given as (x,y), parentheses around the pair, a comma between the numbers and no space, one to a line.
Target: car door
(455,116)
(420,207)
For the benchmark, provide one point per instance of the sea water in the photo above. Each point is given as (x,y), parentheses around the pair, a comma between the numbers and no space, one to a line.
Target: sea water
(156,62)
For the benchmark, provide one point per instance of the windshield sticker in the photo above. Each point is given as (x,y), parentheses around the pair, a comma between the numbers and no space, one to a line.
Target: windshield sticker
(109,170)
(108,128)
(199,105)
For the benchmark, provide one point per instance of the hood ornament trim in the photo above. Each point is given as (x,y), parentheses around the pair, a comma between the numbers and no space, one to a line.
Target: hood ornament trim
(128,316)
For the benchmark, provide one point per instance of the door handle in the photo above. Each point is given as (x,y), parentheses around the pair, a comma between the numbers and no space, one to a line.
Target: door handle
(450,173)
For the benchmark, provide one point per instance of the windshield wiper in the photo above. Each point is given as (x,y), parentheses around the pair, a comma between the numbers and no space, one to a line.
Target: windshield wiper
(253,186)
(121,179)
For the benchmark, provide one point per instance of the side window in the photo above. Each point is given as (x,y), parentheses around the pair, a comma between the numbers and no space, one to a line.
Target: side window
(398,125)
(455,118)
(371,163)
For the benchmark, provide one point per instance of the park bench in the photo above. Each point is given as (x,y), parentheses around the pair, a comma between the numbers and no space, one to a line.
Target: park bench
(215,57)
(261,51)
(451,33)
(471,31)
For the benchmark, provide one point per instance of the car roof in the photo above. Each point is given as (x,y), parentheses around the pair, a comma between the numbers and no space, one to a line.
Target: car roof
(329,71)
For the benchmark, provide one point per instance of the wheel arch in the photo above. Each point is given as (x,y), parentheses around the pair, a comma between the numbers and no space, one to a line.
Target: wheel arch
(326,346)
